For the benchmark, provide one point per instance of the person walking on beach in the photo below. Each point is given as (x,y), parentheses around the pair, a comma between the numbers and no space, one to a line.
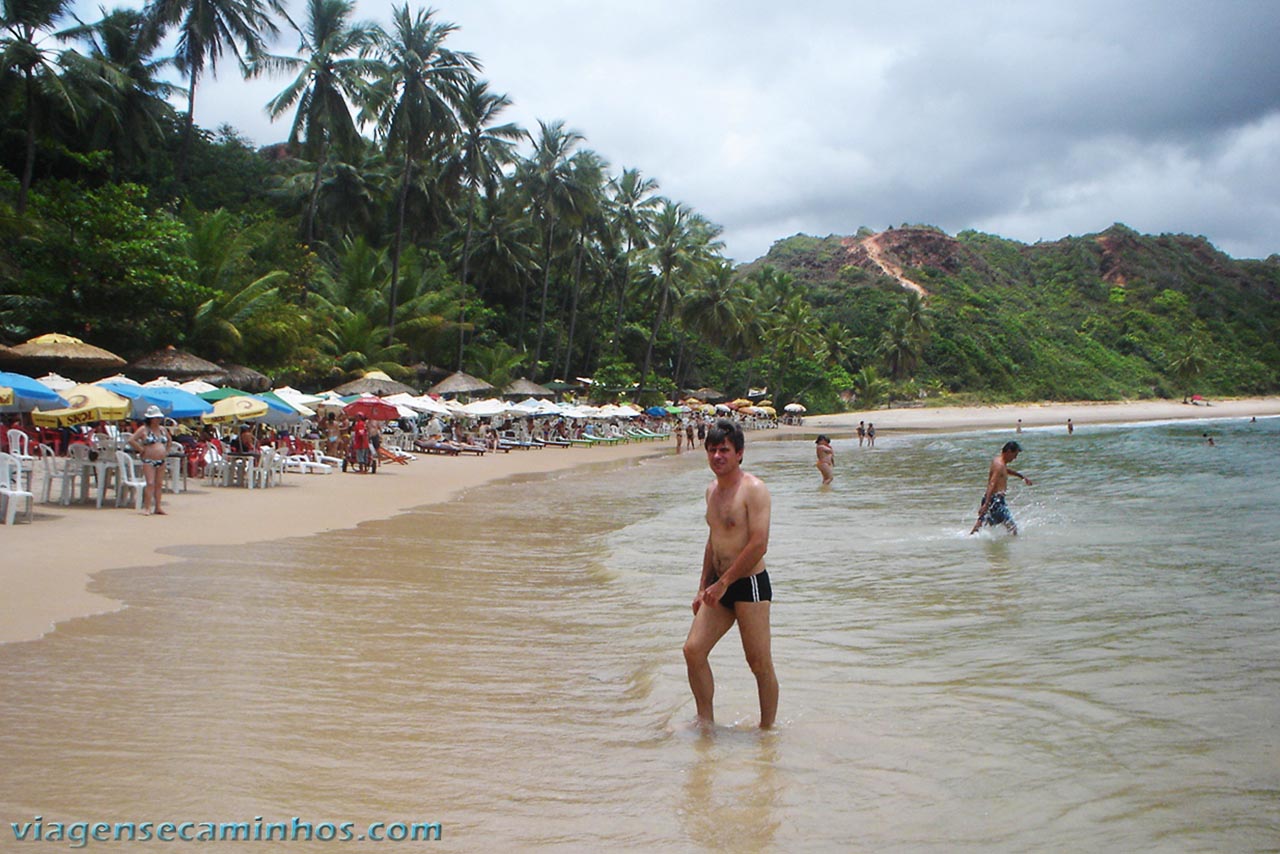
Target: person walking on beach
(679,431)
(734,585)
(826,460)
(151,442)
(994,510)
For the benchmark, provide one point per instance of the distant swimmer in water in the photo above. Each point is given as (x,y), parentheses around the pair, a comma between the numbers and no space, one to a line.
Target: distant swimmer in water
(1208,439)
(826,460)
(994,510)
(1071,428)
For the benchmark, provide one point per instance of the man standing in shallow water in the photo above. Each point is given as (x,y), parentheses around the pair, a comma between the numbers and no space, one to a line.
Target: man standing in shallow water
(994,510)
(734,586)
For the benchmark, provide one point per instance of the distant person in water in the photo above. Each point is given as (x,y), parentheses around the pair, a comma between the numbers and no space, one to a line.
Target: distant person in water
(734,586)
(1208,439)
(871,435)
(1071,428)
(1019,425)
(862,432)
(826,459)
(994,510)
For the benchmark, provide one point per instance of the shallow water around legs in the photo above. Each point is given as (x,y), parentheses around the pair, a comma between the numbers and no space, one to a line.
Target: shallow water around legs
(509,664)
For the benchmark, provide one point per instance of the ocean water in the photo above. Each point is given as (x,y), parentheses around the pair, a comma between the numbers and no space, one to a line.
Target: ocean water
(508,664)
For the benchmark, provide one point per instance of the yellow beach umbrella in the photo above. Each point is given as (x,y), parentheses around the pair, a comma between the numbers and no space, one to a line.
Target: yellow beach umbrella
(239,408)
(85,403)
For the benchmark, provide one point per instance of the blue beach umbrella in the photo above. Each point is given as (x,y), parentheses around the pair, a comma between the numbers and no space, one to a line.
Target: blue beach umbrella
(658,411)
(173,402)
(19,392)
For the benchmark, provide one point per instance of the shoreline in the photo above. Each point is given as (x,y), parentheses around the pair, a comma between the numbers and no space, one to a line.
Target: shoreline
(1006,415)
(50,562)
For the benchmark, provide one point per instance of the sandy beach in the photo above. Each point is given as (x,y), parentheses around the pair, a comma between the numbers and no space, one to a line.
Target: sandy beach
(48,564)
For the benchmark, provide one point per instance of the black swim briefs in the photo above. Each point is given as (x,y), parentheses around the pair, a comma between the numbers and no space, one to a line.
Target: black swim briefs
(753,588)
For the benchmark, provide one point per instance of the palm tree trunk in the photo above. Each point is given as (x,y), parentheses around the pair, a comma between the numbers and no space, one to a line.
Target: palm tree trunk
(313,203)
(29,164)
(542,309)
(466,264)
(395,250)
(573,306)
(189,130)
(623,281)
(653,334)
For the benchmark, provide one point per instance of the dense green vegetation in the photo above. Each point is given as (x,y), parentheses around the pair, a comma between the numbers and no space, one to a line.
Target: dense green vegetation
(1105,316)
(405,223)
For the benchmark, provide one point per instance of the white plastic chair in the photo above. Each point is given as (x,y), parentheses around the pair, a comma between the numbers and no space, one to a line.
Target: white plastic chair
(262,469)
(60,469)
(129,480)
(11,491)
(20,450)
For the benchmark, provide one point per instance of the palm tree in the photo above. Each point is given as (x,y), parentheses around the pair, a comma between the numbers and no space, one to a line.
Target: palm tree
(134,108)
(716,308)
(420,81)
(1189,364)
(328,82)
(483,149)
(869,386)
(26,24)
(901,349)
(548,181)
(586,222)
(682,242)
(633,202)
(207,28)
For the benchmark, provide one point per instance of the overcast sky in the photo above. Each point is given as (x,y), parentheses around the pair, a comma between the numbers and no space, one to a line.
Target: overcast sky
(1032,120)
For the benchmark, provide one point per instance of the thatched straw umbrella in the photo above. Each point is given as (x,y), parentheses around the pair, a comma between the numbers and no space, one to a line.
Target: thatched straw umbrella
(526,388)
(247,379)
(709,395)
(460,383)
(175,364)
(374,382)
(64,354)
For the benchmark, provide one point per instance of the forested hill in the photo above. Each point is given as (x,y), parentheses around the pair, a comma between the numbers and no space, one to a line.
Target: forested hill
(1102,316)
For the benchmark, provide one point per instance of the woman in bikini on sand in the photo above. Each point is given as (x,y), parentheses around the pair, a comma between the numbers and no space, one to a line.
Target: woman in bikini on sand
(151,441)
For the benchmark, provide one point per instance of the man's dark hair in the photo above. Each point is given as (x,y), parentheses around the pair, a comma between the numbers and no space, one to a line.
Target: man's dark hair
(821,438)
(725,429)
(1012,446)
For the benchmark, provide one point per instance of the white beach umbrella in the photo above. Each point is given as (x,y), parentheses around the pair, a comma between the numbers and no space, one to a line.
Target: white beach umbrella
(198,386)
(289,394)
(162,382)
(56,382)
(489,408)
(120,378)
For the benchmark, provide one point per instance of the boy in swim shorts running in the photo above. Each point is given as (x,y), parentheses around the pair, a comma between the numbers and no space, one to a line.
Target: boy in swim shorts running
(994,510)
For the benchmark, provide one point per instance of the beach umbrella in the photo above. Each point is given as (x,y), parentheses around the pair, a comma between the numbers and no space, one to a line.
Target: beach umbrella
(526,388)
(197,387)
(173,402)
(277,411)
(657,411)
(239,376)
(85,404)
(57,382)
(794,407)
(767,410)
(460,383)
(163,382)
(294,396)
(236,408)
(708,395)
(118,378)
(296,408)
(420,403)
(374,382)
(64,353)
(19,392)
(372,407)
(489,408)
(172,362)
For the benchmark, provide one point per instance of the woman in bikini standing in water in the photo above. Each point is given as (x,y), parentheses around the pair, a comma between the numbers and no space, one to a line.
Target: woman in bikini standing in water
(151,441)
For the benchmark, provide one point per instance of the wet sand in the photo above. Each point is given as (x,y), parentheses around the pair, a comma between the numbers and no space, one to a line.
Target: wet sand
(47,565)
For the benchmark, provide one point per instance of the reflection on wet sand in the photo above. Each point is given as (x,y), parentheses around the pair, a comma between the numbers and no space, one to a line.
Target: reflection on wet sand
(732,790)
